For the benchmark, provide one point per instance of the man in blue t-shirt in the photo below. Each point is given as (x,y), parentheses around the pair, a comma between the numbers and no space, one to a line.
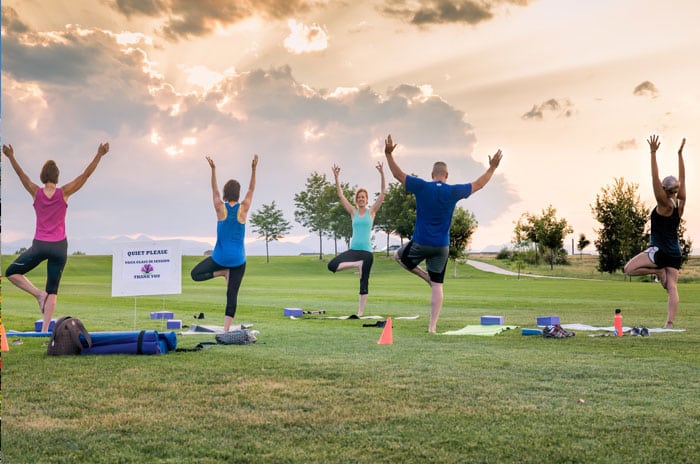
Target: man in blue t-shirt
(435,203)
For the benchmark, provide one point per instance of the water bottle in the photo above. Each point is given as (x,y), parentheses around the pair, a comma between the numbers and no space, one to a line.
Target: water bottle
(618,322)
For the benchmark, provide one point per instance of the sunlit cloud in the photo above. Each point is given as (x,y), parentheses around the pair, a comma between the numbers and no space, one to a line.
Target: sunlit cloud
(155,138)
(425,12)
(202,76)
(312,134)
(562,108)
(184,19)
(646,89)
(133,38)
(622,145)
(342,92)
(189,141)
(376,148)
(362,26)
(173,150)
(30,96)
(305,39)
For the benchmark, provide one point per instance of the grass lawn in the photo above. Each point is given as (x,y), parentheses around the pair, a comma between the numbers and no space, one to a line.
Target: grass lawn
(323,390)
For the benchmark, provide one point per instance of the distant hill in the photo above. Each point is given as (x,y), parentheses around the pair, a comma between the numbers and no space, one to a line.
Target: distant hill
(309,245)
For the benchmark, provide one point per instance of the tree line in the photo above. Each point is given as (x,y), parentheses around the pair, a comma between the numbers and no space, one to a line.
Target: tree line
(623,218)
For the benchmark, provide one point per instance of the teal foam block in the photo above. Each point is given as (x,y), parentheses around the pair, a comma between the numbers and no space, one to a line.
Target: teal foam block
(531,332)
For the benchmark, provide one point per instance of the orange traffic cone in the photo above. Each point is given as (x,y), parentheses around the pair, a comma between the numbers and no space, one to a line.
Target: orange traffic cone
(5,346)
(386,338)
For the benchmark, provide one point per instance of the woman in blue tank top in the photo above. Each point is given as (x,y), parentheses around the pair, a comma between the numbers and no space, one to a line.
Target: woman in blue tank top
(228,258)
(359,256)
(663,258)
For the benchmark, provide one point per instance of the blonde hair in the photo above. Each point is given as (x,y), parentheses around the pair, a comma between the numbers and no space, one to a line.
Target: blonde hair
(360,190)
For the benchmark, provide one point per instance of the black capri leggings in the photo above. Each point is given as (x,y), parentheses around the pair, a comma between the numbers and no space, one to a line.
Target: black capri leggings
(205,271)
(56,255)
(350,256)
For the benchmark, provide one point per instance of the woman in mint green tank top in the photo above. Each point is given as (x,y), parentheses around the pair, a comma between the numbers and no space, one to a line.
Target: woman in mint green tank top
(359,256)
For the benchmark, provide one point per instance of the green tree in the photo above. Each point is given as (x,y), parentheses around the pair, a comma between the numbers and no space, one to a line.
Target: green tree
(525,240)
(269,223)
(583,242)
(685,243)
(461,230)
(623,219)
(397,214)
(312,206)
(547,231)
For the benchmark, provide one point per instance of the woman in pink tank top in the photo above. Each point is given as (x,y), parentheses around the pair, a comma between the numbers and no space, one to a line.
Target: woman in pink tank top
(50,243)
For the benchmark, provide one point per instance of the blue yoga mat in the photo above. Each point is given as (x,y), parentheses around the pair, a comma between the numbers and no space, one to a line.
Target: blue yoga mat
(14,333)
(136,342)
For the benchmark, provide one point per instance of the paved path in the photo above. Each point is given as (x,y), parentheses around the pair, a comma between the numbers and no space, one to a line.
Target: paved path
(497,270)
(490,268)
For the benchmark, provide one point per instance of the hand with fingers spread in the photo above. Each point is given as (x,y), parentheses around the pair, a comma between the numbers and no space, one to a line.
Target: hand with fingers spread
(654,143)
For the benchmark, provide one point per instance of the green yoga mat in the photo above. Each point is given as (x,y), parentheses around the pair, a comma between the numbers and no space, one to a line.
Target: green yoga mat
(483,330)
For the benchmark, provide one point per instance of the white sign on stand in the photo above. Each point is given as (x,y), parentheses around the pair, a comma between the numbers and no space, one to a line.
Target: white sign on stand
(147,268)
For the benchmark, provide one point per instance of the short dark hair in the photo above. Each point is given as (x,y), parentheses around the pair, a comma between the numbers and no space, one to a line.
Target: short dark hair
(232,190)
(49,173)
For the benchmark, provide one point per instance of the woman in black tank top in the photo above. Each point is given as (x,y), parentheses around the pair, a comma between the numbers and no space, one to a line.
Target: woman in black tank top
(663,258)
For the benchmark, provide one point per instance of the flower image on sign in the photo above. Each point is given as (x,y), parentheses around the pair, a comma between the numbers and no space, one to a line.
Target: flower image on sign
(147,268)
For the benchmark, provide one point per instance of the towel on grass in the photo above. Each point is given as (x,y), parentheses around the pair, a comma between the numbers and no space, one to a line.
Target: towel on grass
(196,329)
(584,327)
(484,330)
(353,316)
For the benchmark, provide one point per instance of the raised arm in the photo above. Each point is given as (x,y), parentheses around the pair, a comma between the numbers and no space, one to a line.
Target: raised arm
(681,179)
(380,199)
(484,179)
(659,192)
(393,167)
(343,201)
(28,185)
(216,196)
(245,204)
(76,184)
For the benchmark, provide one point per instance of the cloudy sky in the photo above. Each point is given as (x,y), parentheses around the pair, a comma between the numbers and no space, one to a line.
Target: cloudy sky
(568,89)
